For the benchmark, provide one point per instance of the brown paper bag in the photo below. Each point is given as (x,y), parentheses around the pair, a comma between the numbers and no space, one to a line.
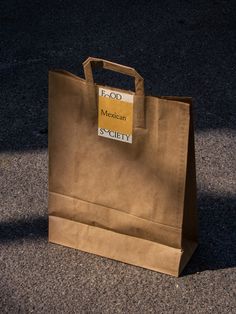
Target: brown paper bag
(134,203)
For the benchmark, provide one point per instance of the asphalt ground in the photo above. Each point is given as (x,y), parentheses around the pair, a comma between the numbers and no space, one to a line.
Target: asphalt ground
(180,48)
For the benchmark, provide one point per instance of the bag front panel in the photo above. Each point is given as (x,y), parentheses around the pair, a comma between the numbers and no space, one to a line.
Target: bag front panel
(145,179)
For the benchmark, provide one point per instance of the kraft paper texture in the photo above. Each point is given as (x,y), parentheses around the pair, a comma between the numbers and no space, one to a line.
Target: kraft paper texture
(134,203)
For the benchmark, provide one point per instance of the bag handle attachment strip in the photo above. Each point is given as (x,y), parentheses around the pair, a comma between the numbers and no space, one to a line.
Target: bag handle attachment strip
(139,82)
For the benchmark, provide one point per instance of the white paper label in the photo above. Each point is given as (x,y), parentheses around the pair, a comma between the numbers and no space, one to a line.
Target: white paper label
(115,115)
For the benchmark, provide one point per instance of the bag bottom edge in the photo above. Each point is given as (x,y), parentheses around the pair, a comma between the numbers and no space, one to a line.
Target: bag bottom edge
(124,248)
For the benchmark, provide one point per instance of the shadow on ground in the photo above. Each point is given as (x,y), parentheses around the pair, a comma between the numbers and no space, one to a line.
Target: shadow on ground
(217,235)
(15,230)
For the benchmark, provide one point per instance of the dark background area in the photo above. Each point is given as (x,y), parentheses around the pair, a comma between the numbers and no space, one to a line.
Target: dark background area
(179,47)
(185,48)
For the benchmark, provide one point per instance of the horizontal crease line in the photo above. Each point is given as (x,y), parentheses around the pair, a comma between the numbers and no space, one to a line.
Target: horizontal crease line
(120,211)
(179,250)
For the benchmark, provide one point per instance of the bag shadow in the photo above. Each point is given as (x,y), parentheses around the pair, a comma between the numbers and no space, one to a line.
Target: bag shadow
(217,235)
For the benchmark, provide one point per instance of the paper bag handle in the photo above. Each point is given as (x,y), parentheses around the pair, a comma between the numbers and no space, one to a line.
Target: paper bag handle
(139,84)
